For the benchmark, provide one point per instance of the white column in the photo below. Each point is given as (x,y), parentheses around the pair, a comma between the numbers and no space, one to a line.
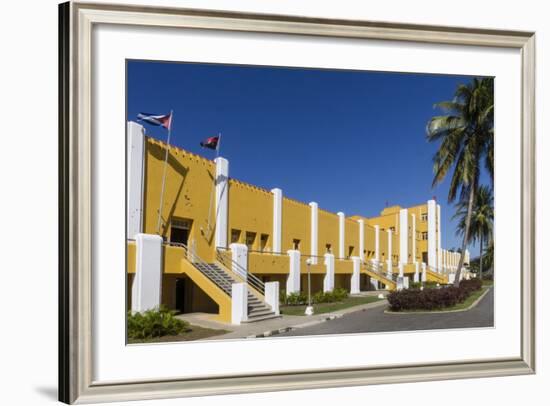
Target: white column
(403,236)
(277,218)
(424,272)
(401,269)
(355,276)
(413,254)
(432,238)
(239,303)
(377,243)
(341,235)
(389,260)
(361,239)
(146,287)
(134,173)
(314,232)
(438,238)
(293,280)
(416,277)
(328,282)
(222,201)
(272,296)
(239,256)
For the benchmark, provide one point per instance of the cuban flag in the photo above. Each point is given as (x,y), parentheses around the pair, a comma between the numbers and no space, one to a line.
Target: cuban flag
(156,119)
(211,142)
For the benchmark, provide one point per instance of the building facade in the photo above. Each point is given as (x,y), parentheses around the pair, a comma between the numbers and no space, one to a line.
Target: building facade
(226,247)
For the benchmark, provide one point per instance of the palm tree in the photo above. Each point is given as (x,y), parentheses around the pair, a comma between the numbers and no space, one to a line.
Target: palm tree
(481,225)
(465,136)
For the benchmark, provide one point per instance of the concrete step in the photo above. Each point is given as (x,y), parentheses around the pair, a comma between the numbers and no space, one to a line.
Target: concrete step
(267,317)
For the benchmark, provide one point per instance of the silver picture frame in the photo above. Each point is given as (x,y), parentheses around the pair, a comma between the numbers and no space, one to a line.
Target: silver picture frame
(76,21)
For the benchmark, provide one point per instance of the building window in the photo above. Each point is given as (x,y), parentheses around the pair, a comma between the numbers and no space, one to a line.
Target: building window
(424,217)
(263,241)
(424,235)
(295,244)
(250,239)
(235,235)
(179,231)
(328,248)
(350,251)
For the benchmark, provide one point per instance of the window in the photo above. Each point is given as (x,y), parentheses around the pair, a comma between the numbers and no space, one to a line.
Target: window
(235,235)
(263,241)
(250,239)
(392,229)
(179,231)
(425,257)
(328,248)
(350,251)
(424,217)
(295,244)
(424,235)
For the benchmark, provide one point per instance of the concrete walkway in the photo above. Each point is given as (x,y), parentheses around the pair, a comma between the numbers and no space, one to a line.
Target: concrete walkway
(274,326)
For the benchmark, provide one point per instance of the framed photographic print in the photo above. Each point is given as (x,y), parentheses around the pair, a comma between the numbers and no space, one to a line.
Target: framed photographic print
(265,202)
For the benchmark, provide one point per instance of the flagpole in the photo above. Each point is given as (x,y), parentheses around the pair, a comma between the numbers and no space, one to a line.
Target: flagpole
(164,171)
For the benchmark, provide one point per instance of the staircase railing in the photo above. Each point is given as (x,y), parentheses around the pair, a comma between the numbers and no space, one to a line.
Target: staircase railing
(195,259)
(379,270)
(224,257)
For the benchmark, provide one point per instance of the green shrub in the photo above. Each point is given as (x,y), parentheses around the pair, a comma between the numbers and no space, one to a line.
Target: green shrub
(427,285)
(336,295)
(154,323)
(294,299)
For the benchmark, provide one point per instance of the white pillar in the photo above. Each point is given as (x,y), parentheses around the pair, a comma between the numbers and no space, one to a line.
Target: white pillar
(401,269)
(377,243)
(355,276)
(413,254)
(272,296)
(432,238)
(439,238)
(146,287)
(403,236)
(328,282)
(222,201)
(341,235)
(389,260)
(277,218)
(416,277)
(134,173)
(293,279)
(314,232)
(239,303)
(361,239)
(424,278)
(239,256)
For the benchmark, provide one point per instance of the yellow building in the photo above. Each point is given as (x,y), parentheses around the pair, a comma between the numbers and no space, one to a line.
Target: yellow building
(227,247)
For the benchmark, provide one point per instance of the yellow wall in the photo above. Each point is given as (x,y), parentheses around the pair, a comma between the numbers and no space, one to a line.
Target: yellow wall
(189,184)
(296,225)
(268,263)
(351,237)
(327,232)
(250,210)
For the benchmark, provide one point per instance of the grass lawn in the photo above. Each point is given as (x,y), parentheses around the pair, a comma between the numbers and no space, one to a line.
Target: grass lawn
(460,306)
(193,333)
(321,308)
(487,283)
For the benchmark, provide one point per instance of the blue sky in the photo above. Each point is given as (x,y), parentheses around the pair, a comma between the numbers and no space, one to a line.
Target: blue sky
(351,141)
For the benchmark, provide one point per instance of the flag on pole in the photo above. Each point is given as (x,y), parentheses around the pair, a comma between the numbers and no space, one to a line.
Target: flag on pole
(163,120)
(211,142)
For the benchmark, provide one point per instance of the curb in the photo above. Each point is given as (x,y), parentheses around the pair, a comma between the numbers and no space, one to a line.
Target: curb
(290,328)
(442,311)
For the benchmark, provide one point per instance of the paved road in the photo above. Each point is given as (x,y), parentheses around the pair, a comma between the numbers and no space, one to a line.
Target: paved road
(375,320)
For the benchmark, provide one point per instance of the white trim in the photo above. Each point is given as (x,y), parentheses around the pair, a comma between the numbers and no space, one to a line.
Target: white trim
(277,218)
(222,201)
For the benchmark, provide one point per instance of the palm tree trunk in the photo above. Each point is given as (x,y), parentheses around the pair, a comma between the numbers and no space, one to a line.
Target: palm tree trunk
(466,235)
(481,258)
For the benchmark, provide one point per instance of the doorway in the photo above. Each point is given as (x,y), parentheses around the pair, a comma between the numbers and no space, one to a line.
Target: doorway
(180,295)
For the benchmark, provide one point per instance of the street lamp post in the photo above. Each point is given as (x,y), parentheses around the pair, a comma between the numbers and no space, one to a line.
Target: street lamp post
(309,308)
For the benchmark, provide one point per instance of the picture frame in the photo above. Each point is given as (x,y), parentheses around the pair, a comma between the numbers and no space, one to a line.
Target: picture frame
(76,214)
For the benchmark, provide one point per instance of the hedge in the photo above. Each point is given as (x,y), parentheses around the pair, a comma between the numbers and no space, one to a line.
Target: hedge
(432,299)
(297,299)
